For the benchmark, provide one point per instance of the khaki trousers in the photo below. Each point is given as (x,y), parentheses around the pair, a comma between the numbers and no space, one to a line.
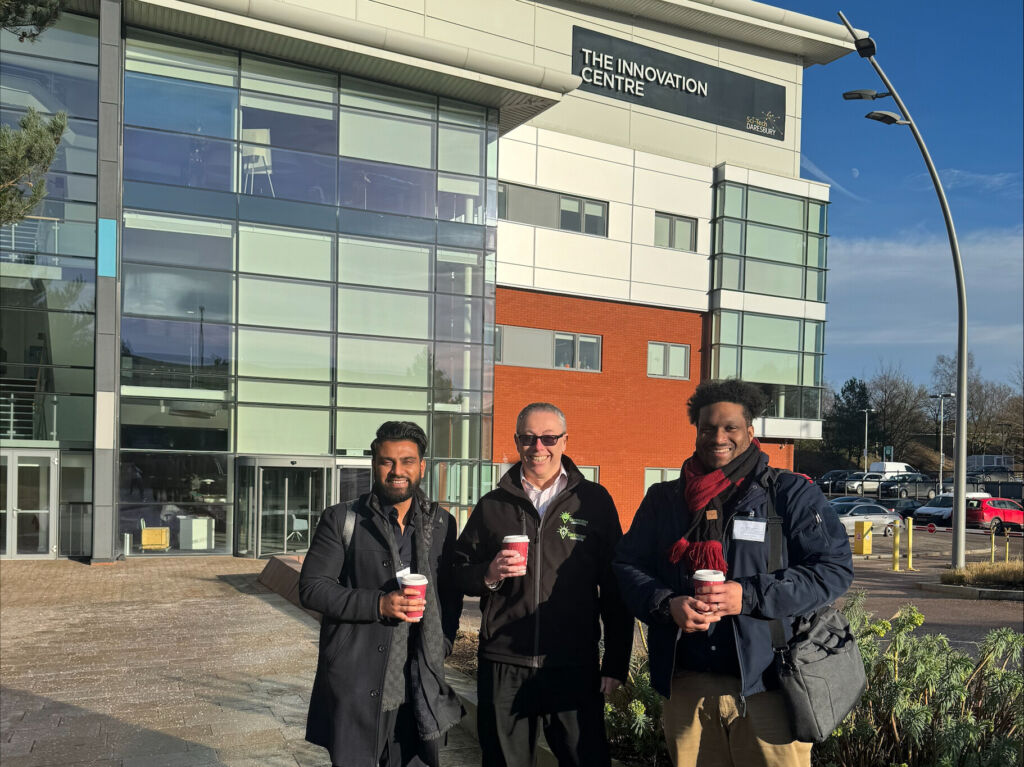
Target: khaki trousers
(704,726)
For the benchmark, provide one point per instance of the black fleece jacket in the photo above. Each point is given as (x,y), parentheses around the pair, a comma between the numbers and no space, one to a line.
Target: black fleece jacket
(552,616)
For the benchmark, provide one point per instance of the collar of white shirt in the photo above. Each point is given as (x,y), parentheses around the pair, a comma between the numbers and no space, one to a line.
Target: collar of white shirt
(541,499)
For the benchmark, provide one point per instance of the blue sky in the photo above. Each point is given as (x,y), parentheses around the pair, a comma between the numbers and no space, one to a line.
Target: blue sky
(891,291)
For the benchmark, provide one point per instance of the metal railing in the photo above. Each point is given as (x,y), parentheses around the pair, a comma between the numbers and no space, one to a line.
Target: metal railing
(74,528)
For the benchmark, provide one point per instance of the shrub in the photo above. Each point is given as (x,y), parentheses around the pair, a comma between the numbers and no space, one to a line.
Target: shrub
(632,714)
(926,704)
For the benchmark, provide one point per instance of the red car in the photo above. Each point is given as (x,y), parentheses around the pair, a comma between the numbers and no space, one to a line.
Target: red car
(994,514)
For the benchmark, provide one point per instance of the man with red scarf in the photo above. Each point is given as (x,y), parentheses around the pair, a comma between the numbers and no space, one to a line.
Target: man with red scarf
(710,644)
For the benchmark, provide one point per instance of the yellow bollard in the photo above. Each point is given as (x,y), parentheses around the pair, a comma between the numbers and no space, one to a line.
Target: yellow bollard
(910,546)
(896,549)
(992,536)
(862,537)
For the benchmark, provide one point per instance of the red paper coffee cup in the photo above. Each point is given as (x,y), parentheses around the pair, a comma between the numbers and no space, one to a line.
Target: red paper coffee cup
(520,543)
(418,582)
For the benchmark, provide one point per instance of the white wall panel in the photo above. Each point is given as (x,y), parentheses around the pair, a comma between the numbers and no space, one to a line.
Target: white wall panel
(664,295)
(587,176)
(515,243)
(517,162)
(672,194)
(620,221)
(677,268)
(643,226)
(599,150)
(787,428)
(582,254)
(514,275)
(581,284)
(675,167)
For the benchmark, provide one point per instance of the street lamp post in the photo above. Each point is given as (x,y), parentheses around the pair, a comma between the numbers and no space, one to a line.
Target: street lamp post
(942,431)
(865,411)
(866,48)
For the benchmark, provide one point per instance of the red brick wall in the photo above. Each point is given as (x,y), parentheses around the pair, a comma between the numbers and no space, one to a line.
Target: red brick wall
(619,419)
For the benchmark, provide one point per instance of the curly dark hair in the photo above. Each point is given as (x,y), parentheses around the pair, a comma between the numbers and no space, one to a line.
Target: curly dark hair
(400,431)
(728,390)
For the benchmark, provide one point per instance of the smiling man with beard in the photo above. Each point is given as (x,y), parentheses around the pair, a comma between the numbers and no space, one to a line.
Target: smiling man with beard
(380,696)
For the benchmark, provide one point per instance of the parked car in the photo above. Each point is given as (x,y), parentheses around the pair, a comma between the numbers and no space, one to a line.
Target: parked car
(995,514)
(908,485)
(992,474)
(832,481)
(846,499)
(905,507)
(851,513)
(939,511)
(862,482)
(973,485)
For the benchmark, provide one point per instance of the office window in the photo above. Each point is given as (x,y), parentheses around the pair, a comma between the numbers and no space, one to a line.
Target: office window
(678,232)
(590,472)
(540,207)
(538,348)
(653,476)
(668,360)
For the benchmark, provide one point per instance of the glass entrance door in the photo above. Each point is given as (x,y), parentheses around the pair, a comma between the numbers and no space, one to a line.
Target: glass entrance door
(354,479)
(279,502)
(28,491)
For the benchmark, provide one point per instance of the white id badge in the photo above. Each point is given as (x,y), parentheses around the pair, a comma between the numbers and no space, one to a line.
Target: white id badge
(748,529)
(404,571)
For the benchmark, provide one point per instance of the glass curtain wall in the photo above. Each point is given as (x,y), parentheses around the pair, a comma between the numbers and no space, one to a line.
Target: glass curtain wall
(306,255)
(48,267)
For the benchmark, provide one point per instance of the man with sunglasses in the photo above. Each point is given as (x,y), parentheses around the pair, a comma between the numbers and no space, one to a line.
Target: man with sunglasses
(539,665)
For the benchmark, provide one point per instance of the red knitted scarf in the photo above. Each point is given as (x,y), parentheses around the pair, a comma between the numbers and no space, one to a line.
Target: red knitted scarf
(707,491)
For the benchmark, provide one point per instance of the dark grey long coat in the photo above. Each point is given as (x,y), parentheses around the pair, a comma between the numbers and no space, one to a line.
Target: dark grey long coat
(345,705)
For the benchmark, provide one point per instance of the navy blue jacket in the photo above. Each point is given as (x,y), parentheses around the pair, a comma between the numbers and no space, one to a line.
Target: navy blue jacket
(817,569)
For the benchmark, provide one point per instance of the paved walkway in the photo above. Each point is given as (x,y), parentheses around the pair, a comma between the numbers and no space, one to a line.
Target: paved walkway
(157,663)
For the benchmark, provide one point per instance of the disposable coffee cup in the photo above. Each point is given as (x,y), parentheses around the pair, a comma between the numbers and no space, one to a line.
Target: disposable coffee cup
(520,543)
(418,582)
(709,576)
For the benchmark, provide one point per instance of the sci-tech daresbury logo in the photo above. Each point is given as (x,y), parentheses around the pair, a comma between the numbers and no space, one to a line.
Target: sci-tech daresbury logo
(767,124)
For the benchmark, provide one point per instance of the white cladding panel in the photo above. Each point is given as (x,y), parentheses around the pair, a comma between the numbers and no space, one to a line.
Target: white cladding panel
(787,428)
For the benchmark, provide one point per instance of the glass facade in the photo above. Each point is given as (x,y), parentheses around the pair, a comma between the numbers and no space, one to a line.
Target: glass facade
(303,258)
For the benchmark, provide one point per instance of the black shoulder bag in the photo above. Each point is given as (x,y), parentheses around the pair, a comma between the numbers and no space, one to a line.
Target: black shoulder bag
(820,670)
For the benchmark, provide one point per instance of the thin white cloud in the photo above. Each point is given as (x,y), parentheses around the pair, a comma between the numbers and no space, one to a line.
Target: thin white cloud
(956,180)
(807,164)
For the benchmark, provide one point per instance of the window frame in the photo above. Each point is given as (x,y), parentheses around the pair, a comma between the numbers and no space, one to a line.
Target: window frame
(667,346)
(673,222)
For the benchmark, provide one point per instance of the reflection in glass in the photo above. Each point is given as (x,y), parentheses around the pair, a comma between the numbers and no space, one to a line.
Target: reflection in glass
(178,241)
(570,216)
(773,279)
(163,291)
(771,208)
(278,354)
(380,313)
(167,158)
(290,253)
(565,350)
(457,318)
(387,188)
(455,436)
(48,282)
(356,430)
(288,80)
(289,123)
(775,244)
(284,303)
(72,38)
(67,186)
(382,399)
(174,57)
(283,430)
(168,424)
(175,527)
(590,353)
(59,380)
(772,332)
(456,366)
(386,138)
(272,172)
(386,363)
(771,367)
(48,85)
(460,150)
(460,199)
(190,355)
(174,478)
(179,105)
(64,418)
(274,392)
(387,98)
(387,264)
(47,338)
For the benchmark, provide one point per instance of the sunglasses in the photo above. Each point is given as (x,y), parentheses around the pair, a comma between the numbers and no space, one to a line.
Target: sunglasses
(548,440)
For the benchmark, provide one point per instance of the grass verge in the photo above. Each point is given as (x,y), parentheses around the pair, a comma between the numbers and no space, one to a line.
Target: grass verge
(996,575)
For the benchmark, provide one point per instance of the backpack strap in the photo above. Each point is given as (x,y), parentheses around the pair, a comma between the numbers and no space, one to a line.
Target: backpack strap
(348,528)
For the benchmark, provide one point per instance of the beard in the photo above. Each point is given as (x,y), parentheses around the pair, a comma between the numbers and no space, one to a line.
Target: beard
(393,495)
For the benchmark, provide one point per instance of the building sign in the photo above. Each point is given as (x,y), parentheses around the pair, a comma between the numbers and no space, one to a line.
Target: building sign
(640,75)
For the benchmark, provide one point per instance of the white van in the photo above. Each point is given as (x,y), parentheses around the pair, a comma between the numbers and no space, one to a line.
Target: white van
(890,469)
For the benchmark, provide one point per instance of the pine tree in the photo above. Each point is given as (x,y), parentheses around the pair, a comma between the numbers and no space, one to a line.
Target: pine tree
(25,158)
(28,19)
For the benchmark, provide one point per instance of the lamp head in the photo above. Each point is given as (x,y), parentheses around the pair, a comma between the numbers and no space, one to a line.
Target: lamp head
(866,47)
(865,94)
(889,118)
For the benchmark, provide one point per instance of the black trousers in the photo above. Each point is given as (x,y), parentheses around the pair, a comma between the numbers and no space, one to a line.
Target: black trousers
(399,744)
(516,703)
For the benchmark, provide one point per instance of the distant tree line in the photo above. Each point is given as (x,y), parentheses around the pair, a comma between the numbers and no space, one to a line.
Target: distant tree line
(907,418)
